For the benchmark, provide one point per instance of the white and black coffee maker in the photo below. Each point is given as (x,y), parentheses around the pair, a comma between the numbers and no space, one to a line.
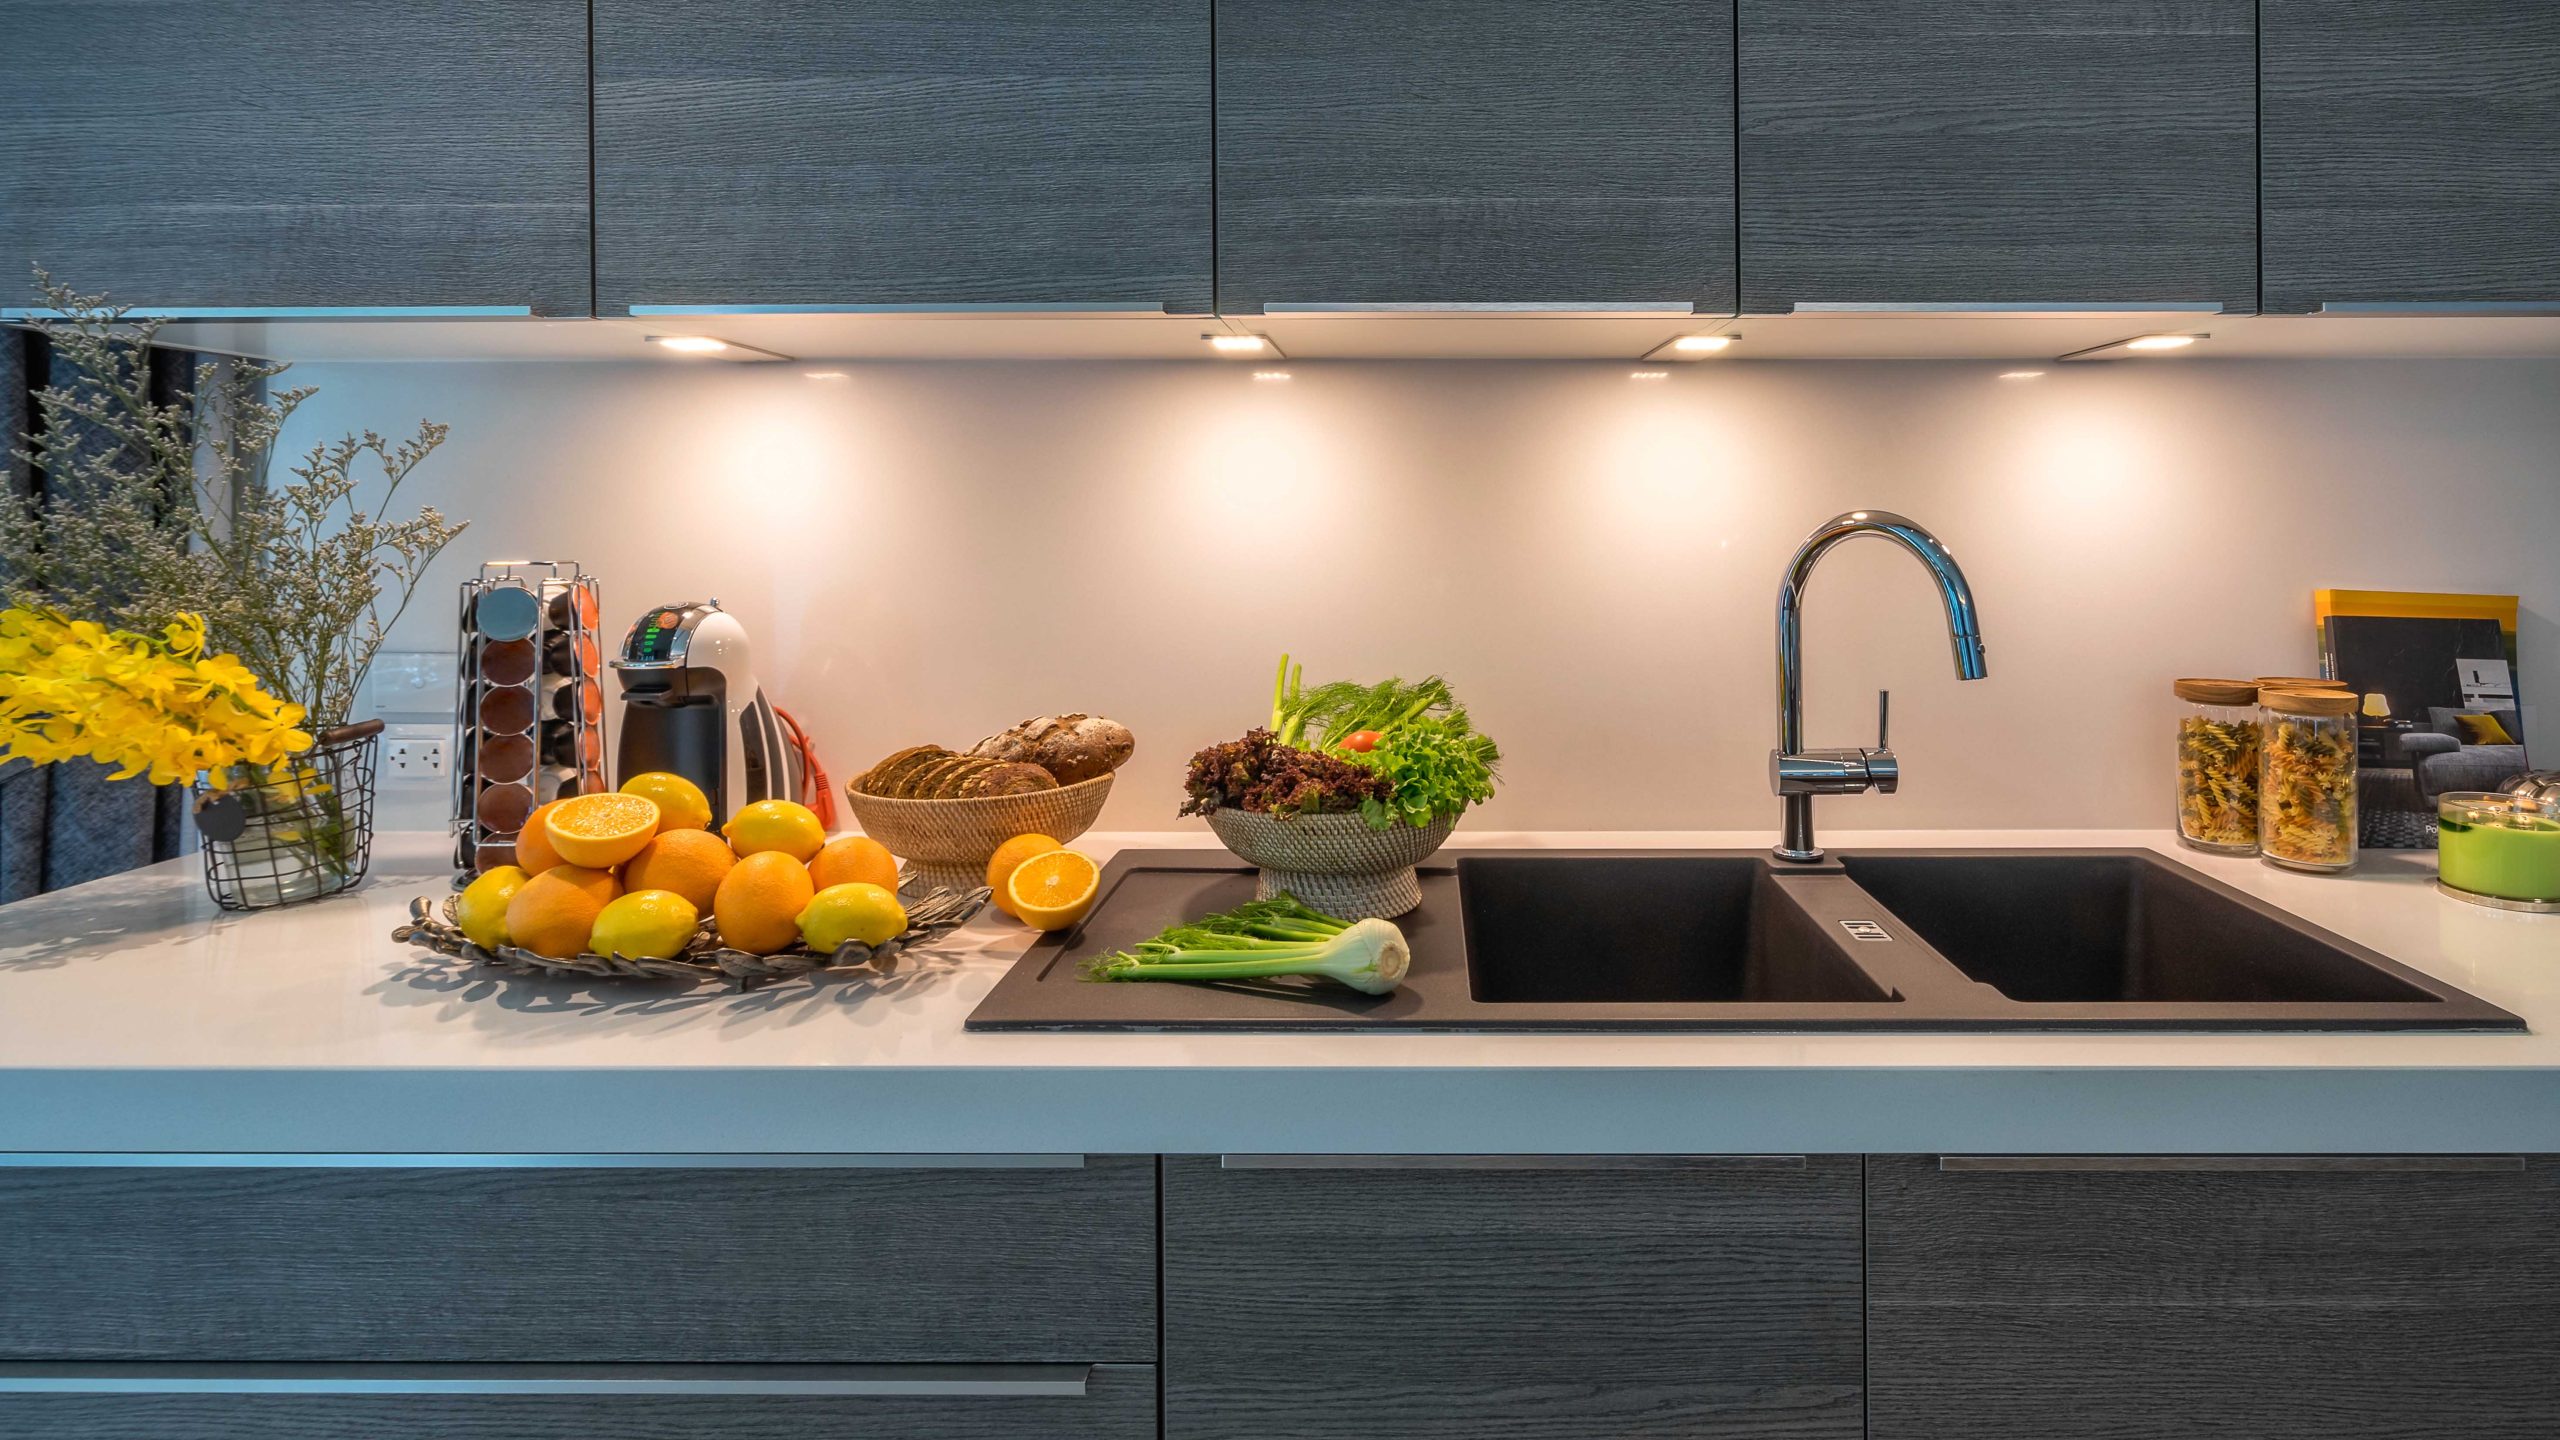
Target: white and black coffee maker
(690,705)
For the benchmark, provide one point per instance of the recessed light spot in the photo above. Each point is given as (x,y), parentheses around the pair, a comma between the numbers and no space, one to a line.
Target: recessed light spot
(1648,374)
(2021,374)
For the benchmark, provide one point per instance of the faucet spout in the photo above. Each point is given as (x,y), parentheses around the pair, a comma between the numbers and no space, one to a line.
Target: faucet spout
(1797,775)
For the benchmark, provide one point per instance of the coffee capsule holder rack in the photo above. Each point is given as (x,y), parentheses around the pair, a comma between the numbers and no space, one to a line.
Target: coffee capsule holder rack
(528,709)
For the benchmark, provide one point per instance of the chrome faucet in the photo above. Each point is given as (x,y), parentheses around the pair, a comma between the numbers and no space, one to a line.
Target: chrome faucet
(1796,774)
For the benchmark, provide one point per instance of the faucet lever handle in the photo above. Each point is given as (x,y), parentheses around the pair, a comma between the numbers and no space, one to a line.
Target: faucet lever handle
(1884,719)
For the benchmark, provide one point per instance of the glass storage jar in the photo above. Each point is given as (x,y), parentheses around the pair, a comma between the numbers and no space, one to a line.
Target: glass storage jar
(2218,765)
(2499,849)
(2307,779)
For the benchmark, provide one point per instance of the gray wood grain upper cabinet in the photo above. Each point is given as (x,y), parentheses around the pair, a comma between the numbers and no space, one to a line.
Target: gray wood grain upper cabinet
(1475,152)
(1952,152)
(2412,152)
(902,153)
(2239,1299)
(1697,1298)
(298,153)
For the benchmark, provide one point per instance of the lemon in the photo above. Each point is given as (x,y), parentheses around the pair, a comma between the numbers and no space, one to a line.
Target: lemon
(775,825)
(855,911)
(482,910)
(645,925)
(681,803)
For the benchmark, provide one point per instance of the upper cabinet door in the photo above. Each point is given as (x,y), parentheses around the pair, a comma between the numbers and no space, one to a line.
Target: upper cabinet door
(1929,153)
(2412,152)
(1475,152)
(366,154)
(863,153)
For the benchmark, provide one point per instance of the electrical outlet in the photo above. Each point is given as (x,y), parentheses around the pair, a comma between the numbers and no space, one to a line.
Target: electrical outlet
(415,752)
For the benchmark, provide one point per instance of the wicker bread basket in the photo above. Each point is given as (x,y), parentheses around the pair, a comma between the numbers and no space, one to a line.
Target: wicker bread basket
(1336,863)
(949,842)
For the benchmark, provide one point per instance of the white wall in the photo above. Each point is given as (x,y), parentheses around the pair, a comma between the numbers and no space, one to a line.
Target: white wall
(929,552)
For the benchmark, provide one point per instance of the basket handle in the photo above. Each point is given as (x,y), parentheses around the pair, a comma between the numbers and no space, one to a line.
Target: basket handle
(344,733)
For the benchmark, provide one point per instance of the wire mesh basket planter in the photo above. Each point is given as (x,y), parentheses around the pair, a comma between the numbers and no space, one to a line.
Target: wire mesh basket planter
(296,830)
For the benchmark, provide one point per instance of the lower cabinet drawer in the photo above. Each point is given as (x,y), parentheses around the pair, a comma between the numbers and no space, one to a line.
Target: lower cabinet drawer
(1439,1297)
(2328,1297)
(1105,1402)
(886,1259)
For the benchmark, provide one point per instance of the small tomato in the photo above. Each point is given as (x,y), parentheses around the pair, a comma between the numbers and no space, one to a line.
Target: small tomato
(1363,741)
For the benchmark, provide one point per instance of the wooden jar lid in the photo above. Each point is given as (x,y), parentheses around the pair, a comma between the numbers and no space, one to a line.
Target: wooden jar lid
(2217,692)
(2310,702)
(2298,682)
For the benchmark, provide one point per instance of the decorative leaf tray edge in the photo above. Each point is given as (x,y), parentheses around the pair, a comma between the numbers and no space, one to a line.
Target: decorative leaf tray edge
(935,914)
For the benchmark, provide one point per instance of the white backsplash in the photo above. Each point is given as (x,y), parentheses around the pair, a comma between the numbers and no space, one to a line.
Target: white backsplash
(930,552)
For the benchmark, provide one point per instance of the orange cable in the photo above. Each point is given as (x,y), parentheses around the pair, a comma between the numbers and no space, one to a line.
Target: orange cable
(817,791)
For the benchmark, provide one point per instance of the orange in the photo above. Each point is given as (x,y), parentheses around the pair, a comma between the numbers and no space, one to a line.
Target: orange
(601,831)
(533,848)
(855,860)
(1010,856)
(757,907)
(554,912)
(690,863)
(1053,891)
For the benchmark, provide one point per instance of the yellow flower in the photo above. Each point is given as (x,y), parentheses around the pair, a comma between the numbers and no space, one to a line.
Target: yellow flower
(156,707)
(186,635)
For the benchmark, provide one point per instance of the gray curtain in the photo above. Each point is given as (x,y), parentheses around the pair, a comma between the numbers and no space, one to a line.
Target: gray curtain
(63,824)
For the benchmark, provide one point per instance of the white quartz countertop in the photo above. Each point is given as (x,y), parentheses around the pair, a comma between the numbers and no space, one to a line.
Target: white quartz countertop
(135,1017)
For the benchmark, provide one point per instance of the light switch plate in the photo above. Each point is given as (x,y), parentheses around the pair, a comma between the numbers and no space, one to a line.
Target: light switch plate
(412,684)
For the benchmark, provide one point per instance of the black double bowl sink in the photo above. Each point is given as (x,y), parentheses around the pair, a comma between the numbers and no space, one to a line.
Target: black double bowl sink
(1687,940)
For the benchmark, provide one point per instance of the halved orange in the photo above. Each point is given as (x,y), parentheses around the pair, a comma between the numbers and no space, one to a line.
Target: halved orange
(601,831)
(1054,890)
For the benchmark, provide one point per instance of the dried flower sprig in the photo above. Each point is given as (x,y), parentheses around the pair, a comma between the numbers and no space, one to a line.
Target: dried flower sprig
(75,689)
(165,506)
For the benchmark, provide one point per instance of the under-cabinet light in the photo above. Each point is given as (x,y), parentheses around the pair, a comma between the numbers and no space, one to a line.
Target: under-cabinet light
(1688,347)
(690,344)
(2021,374)
(824,374)
(1270,374)
(1237,344)
(2136,345)
(1648,374)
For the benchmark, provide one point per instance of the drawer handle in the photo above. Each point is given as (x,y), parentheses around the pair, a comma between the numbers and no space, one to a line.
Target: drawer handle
(2235,1164)
(2003,307)
(953,307)
(281,1160)
(2437,307)
(300,312)
(24,1378)
(1485,307)
(1509,1162)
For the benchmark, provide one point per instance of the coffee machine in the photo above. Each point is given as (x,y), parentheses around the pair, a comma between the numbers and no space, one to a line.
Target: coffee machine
(690,705)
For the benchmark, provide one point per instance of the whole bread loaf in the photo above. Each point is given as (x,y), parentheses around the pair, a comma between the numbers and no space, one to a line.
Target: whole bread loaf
(1072,748)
